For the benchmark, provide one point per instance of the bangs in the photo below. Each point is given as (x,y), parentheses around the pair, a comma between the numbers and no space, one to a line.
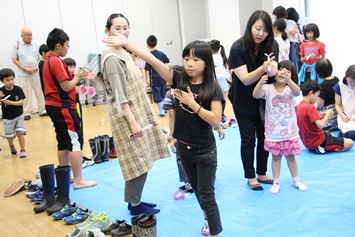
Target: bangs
(197,49)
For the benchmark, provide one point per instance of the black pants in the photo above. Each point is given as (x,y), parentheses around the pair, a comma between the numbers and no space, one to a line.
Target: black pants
(251,127)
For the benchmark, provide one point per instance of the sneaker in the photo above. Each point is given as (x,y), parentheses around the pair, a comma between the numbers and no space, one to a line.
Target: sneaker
(320,150)
(187,188)
(300,186)
(205,230)
(44,114)
(97,221)
(23,154)
(89,162)
(13,150)
(67,210)
(27,117)
(232,123)
(34,188)
(224,119)
(114,225)
(95,233)
(78,216)
(77,232)
(38,174)
(123,230)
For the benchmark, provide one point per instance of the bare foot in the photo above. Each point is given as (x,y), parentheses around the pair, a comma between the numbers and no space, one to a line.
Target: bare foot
(83,183)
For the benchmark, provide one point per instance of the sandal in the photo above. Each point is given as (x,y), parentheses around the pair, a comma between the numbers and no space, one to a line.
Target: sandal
(255,187)
(266,181)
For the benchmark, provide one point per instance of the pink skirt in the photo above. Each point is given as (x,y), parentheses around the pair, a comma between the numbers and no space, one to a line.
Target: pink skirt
(289,147)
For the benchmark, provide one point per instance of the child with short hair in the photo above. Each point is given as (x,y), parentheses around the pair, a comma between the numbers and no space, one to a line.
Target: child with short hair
(281,131)
(12,99)
(61,105)
(154,80)
(310,123)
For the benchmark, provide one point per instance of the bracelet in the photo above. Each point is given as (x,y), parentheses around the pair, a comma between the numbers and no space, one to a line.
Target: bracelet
(198,110)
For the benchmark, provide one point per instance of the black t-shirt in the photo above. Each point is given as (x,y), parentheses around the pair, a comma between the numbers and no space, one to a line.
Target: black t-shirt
(327,93)
(11,111)
(189,127)
(241,96)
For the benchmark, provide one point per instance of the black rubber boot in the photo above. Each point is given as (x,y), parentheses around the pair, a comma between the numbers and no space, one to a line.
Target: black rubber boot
(104,144)
(47,177)
(112,149)
(63,182)
(95,149)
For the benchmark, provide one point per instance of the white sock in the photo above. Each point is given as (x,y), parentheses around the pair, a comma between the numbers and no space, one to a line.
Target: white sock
(275,188)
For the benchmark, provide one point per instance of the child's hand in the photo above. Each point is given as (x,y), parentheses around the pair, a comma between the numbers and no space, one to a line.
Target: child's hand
(118,40)
(263,79)
(1,94)
(82,75)
(172,145)
(272,68)
(184,97)
(330,112)
(287,75)
(221,133)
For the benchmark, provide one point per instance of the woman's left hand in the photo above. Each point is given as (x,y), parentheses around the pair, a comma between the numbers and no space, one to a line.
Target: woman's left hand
(184,97)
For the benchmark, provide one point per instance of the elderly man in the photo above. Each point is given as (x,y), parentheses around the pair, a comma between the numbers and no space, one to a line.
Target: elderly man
(25,56)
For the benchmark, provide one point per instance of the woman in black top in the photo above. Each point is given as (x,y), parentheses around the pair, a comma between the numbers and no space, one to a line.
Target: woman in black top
(249,62)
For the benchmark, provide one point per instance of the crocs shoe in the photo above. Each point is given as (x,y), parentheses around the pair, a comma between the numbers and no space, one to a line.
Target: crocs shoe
(14,188)
(78,216)
(205,230)
(67,210)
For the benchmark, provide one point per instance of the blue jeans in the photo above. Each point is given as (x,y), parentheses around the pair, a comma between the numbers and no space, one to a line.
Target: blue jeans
(200,164)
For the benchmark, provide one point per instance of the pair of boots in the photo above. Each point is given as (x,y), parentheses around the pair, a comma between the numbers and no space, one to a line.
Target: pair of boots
(101,147)
(52,203)
(144,225)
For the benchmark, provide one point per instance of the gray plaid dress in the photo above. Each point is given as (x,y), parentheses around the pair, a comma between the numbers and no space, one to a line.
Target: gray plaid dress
(135,155)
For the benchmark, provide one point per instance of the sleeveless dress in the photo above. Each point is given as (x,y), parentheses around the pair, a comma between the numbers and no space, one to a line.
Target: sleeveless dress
(135,155)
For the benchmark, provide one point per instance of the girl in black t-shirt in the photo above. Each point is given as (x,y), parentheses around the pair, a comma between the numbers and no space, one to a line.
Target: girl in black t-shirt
(198,107)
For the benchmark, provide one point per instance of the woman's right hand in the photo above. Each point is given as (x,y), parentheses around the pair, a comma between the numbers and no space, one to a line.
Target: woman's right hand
(118,40)
(136,130)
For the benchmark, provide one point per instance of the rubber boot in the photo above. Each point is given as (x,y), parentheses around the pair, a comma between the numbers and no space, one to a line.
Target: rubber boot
(112,150)
(63,182)
(47,177)
(95,149)
(104,144)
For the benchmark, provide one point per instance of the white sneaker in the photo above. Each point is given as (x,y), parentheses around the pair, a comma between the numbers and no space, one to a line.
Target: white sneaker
(78,232)
(89,162)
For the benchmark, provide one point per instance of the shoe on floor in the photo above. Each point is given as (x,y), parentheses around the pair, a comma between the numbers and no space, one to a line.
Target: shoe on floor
(44,114)
(67,210)
(77,232)
(255,187)
(33,188)
(114,225)
(122,230)
(78,216)
(14,188)
(187,188)
(27,117)
(95,233)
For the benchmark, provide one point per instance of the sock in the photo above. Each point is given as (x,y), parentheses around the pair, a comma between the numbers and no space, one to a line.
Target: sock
(160,105)
(297,184)
(276,186)
(140,209)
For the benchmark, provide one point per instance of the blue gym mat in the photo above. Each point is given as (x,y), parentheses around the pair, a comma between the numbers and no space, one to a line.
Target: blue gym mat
(327,208)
